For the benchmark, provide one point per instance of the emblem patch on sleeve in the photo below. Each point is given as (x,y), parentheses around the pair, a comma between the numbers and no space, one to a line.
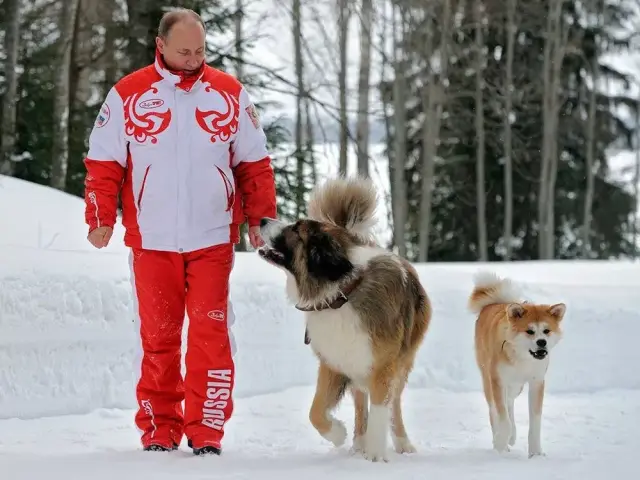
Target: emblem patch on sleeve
(253,115)
(103,116)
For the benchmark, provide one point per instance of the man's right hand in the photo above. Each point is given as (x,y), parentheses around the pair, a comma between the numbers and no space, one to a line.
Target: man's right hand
(99,237)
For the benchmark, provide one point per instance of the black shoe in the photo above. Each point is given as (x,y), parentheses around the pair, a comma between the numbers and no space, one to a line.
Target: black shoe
(159,448)
(207,450)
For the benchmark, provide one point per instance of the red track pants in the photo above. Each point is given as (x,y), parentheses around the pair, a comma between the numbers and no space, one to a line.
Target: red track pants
(165,284)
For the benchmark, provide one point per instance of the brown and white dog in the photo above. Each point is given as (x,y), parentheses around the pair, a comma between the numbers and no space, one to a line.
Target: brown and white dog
(513,341)
(366,312)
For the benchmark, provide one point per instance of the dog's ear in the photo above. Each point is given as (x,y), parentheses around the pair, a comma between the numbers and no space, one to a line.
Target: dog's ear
(558,310)
(326,260)
(515,311)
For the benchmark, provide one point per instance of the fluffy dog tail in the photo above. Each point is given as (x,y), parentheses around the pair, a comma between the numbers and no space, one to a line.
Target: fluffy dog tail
(490,289)
(349,203)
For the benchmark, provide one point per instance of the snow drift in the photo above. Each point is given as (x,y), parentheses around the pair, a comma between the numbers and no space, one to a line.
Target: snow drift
(67,339)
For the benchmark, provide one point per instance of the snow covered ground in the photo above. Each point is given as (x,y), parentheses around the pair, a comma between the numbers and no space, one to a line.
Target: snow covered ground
(66,369)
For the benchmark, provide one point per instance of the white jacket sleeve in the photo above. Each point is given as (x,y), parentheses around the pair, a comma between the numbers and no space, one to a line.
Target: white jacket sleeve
(250,144)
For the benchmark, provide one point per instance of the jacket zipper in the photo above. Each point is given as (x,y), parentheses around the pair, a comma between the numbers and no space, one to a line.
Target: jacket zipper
(176,107)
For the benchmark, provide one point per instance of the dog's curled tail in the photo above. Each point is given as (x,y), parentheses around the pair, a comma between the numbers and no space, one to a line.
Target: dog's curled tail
(348,202)
(490,289)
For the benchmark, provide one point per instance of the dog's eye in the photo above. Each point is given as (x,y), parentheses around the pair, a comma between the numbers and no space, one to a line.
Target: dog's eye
(546,331)
(530,332)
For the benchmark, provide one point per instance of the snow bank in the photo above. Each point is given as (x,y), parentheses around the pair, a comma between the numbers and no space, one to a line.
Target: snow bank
(67,339)
(38,216)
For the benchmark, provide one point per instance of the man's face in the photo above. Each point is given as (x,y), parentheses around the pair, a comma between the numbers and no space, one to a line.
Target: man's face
(184,47)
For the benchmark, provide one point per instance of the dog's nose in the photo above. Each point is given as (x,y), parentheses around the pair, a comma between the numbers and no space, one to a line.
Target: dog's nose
(264,221)
(542,343)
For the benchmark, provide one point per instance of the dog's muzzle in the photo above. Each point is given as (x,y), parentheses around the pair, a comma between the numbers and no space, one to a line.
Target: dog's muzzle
(271,255)
(539,354)
(270,228)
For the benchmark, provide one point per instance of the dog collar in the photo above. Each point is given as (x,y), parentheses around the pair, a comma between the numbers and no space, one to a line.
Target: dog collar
(343,297)
(339,301)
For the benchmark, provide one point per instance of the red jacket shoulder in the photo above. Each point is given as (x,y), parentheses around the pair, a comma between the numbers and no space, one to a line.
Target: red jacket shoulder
(136,81)
(222,80)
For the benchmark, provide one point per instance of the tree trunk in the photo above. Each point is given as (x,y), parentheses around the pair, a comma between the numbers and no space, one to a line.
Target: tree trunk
(508,142)
(111,35)
(400,200)
(82,65)
(309,140)
(560,41)
(239,64)
(60,147)
(362,126)
(343,33)
(433,106)
(10,97)
(553,55)
(590,139)
(480,135)
(386,107)
(239,40)
(636,190)
(300,94)
(140,24)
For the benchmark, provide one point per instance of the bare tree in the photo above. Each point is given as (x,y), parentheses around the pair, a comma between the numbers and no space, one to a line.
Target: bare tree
(399,200)
(10,97)
(300,94)
(239,40)
(481,200)
(511,28)
(591,134)
(108,9)
(239,68)
(344,14)
(60,147)
(362,125)
(83,63)
(554,51)
(433,100)
(636,190)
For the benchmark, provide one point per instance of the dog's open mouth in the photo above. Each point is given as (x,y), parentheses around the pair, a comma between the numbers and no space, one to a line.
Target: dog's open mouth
(539,354)
(271,255)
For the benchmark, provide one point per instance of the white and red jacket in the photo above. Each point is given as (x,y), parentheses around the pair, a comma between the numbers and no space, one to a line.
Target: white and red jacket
(187,156)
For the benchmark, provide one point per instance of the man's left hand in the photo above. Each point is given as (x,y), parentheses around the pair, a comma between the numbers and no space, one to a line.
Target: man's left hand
(254,237)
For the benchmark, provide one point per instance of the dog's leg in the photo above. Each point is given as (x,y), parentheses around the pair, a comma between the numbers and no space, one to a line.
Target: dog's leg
(536,399)
(514,433)
(512,394)
(488,395)
(375,440)
(502,424)
(361,406)
(401,442)
(330,389)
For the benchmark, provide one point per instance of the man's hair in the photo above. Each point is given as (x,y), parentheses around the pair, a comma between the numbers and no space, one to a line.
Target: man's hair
(175,15)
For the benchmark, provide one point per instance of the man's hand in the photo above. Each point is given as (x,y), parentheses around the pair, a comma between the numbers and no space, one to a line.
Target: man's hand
(100,236)
(254,237)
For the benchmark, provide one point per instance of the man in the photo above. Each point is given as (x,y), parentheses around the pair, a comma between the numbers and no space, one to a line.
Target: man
(182,145)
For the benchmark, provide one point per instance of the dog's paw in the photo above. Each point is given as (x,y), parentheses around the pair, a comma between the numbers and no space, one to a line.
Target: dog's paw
(375,450)
(502,437)
(536,451)
(403,445)
(338,433)
(358,445)
(374,455)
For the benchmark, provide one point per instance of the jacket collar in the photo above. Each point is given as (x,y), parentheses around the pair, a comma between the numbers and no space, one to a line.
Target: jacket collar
(176,78)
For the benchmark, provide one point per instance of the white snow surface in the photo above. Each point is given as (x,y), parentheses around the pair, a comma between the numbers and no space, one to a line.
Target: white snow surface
(67,369)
